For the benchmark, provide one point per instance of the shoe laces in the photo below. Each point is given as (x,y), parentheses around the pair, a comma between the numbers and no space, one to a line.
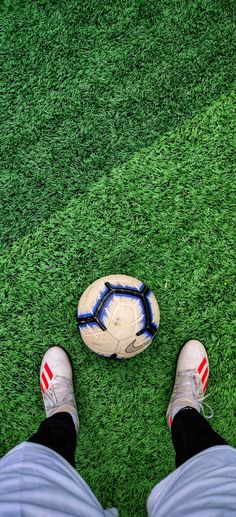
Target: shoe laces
(60,390)
(191,380)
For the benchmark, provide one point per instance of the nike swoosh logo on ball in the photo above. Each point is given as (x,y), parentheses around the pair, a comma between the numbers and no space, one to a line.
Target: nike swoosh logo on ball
(131,348)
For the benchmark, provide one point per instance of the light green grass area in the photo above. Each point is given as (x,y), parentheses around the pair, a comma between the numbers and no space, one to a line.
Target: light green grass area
(86,84)
(147,189)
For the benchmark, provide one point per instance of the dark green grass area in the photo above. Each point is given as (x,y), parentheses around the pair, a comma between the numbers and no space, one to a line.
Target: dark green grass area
(86,84)
(167,217)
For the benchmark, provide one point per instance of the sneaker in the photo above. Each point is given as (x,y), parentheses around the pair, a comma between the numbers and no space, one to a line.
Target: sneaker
(191,380)
(56,383)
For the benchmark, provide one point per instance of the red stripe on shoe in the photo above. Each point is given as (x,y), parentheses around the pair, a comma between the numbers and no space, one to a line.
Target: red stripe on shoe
(204,375)
(45,381)
(171,421)
(201,366)
(49,372)
(42,388)
(205,386)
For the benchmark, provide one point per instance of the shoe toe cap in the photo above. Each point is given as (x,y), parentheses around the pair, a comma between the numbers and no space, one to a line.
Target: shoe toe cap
(58,361)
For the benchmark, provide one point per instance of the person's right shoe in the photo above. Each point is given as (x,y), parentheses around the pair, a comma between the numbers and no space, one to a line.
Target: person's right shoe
(191,379)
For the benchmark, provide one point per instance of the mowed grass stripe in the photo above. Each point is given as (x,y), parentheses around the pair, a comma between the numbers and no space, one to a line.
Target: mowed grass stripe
(166,217)
(85,85)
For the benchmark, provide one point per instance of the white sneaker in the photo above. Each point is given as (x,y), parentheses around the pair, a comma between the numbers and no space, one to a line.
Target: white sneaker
(191,380)
(56,383)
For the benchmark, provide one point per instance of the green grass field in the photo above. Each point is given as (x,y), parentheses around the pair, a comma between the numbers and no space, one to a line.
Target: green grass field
(118,147)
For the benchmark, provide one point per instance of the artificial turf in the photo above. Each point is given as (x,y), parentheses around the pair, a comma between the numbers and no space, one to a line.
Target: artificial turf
(86,84)
(119,158)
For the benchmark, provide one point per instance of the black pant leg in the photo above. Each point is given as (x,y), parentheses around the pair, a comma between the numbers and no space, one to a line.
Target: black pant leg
(58,433)
(191,434)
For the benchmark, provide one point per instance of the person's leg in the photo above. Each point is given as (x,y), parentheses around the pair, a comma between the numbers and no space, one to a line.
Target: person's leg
(58,431)
(191,433)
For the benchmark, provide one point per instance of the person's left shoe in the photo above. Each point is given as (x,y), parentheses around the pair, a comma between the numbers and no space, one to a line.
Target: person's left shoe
(56,383)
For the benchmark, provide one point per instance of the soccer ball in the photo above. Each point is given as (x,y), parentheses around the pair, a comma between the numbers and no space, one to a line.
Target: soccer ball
(118,316)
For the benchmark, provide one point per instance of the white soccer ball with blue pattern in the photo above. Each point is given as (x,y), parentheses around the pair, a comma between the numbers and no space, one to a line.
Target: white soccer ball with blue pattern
(118,316)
